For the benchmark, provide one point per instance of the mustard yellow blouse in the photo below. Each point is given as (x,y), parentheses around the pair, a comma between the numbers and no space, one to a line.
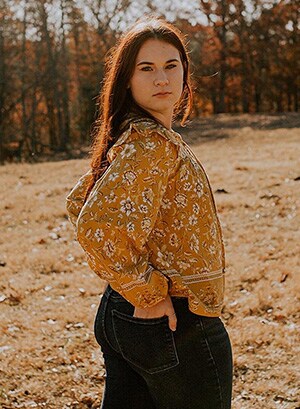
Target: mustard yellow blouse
(150,224)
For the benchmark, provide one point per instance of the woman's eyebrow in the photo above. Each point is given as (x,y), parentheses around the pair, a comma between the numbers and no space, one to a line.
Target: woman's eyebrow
(151,63)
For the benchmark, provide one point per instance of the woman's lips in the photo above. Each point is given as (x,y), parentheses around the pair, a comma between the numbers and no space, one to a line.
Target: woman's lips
(162,94)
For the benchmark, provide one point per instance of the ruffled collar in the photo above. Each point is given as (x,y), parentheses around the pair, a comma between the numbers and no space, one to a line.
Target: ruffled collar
(144,124)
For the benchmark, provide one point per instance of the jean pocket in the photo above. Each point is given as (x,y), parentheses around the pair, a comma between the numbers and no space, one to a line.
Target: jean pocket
(148,344)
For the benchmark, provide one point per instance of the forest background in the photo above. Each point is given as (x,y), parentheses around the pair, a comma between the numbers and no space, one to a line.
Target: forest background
(245,56)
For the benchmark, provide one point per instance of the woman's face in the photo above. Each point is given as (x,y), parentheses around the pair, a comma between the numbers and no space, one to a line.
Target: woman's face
(157,81)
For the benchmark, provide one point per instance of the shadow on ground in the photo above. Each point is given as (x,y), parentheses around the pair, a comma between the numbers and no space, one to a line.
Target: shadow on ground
(220,126)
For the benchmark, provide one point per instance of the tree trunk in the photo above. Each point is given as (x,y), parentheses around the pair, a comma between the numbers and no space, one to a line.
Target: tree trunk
(24,137)
(51,88)
(65,136)
(223,66)
(3,82)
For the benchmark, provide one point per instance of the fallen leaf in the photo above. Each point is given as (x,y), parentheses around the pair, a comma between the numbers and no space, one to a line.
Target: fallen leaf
(221,191)
(283,277)
(42,241)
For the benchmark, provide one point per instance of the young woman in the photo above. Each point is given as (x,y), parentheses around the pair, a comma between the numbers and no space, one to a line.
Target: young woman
(146,217)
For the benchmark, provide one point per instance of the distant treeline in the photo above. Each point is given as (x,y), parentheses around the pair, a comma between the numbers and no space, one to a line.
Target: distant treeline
(245,59)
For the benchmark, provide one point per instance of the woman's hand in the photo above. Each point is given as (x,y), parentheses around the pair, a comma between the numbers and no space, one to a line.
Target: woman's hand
(161,309)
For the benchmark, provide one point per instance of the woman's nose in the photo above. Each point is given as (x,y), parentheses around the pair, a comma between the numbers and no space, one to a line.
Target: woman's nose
(161,79)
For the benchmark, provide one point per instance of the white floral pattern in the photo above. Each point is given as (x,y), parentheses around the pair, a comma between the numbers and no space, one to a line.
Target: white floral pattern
(177,224)
(128,151)
(193,220)
(127,206)
(150,224)
(109,248)
(129,177)
(99,234)
(111,197)
(130,227)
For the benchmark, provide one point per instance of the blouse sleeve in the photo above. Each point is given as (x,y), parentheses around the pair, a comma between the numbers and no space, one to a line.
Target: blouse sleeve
(75,199)
(120,213)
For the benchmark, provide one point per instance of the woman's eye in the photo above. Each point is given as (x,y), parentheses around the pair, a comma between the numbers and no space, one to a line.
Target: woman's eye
(170,66)
(146,69)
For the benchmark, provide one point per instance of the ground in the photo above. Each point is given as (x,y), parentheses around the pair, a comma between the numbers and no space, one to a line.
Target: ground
(49,296)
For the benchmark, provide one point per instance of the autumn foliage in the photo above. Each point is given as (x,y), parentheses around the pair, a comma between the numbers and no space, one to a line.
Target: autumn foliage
(244,54)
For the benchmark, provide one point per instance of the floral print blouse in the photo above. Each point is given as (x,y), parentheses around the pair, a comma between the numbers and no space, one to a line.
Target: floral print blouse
(150,224)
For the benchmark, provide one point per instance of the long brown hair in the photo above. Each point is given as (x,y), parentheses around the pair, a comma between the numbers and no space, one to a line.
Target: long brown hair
(115,100)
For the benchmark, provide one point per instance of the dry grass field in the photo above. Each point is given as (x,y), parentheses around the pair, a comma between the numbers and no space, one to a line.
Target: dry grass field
(48,296)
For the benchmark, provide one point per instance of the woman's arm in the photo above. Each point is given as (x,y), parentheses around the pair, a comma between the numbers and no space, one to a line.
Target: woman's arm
(120,213)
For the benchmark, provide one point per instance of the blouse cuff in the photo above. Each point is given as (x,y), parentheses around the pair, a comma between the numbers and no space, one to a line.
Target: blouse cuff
(144,294)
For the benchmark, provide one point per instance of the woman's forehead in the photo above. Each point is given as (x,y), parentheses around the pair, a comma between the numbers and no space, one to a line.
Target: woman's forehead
(154,50)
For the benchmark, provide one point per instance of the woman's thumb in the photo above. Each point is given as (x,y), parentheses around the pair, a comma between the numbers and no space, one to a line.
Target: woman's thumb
(172,321)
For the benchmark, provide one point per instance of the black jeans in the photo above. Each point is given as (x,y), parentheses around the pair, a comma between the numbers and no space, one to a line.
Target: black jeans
(150,367)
